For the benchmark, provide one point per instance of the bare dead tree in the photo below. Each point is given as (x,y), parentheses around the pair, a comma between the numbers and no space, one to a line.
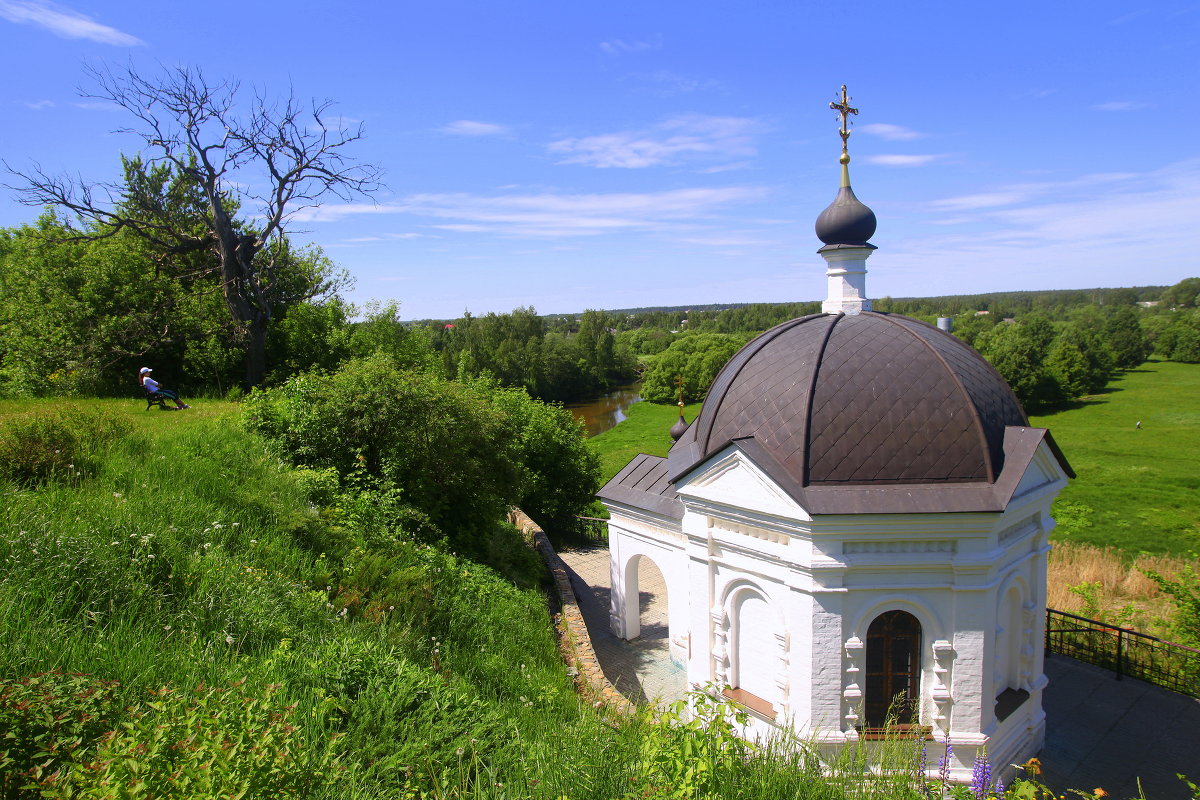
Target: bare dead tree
(257,167)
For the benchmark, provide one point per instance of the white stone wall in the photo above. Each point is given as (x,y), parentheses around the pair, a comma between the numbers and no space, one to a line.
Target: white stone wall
(974,581)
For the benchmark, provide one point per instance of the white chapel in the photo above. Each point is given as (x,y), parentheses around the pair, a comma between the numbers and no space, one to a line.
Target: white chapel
(855,526)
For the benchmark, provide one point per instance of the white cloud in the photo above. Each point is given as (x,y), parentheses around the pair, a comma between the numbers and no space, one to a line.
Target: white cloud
(467,127)
(1018,193)
(670,142)
(620,47)
(1120,105)
(893,133)
(904,160)
(64,22)
(665,83)
(97,105)
(1094,230)
(40,104)
(553,214)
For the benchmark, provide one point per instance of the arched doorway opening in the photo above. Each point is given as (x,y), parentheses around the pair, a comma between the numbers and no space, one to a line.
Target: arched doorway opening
(893,670)
(645,600)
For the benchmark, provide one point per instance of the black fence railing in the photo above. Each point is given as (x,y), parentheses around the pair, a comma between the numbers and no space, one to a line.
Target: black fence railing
(1126,652)
(594,530)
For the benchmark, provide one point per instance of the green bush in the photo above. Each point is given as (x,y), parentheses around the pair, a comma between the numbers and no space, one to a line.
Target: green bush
(47,722)
(437,455)
(61,444)
(208,743)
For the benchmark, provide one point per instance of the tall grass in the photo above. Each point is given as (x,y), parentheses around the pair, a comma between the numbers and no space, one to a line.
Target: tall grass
(1107,584)
(192,561)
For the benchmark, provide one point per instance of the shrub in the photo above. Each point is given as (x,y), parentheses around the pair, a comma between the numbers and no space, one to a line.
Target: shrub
(43,446)
(209,743)
(46,722)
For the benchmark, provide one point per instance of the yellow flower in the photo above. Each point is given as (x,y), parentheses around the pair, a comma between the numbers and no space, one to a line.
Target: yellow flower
(1033,767)
(1098,792)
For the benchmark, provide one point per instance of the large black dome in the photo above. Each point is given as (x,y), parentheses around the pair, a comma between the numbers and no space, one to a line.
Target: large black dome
(864,409)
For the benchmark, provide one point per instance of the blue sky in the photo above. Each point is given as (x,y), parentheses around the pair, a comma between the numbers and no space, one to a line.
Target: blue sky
(571,154)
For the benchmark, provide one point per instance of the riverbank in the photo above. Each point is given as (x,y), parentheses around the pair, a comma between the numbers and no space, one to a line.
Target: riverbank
(605,413)
(647,429)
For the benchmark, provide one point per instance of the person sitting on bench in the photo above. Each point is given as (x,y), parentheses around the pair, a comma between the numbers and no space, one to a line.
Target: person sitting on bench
(152,387)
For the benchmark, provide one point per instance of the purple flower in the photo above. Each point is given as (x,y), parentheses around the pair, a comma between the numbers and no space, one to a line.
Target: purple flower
(944,765)
(981,776)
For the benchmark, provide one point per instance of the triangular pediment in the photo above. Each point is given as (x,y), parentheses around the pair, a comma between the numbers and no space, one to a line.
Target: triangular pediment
(731,478)
(1043,471)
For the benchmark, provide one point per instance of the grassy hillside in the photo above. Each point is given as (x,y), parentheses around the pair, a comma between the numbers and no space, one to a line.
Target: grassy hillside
(182,615)
(175,551)
(1135,490)
(1136,487)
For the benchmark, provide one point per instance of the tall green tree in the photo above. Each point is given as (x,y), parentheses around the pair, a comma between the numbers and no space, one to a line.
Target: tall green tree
(697,359)
(266,159)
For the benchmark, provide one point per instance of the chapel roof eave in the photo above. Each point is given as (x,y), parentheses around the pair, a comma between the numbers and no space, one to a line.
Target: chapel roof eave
(1020,445)
(643,484)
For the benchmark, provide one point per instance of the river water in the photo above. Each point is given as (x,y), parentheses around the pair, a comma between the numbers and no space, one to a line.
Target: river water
(605,412)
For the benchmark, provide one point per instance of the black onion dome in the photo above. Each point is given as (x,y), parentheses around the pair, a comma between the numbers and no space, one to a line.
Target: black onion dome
(846,221)
(873,411)
(679,428)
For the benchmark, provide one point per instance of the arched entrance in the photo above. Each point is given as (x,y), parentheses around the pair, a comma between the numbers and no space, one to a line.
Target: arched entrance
(893,673)
(645,600)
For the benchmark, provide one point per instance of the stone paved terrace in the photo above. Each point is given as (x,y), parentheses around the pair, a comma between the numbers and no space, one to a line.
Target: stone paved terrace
(1101,732)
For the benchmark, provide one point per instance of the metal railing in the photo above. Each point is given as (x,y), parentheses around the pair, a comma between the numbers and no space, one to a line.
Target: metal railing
(1126,652)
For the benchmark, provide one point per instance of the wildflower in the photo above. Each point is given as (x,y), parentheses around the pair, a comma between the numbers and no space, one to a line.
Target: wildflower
(459,752)
(981,776)
(228,639)
(1098,792)
(1033,767)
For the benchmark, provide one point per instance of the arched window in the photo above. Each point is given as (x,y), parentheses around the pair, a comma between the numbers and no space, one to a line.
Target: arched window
(893,674)
(755,652)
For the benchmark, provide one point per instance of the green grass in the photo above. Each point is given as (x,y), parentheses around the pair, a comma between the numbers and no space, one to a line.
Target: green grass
(646,429)
(1136,489)
(189,556)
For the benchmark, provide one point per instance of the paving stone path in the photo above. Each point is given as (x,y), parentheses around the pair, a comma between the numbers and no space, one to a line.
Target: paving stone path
(1101,732)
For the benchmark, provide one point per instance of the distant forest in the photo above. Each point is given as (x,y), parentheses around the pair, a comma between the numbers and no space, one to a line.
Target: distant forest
(1051,346)
(80,314)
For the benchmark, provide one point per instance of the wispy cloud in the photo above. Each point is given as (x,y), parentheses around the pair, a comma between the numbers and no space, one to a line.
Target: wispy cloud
(1021,193)
(38,105)
(665,83)
(96,105)
(893,133)
(386,237)
(64,22)
(897,160)
(469,127)
(1093,229)
(673,141)
(620,47)
(554,214)
(1120,105)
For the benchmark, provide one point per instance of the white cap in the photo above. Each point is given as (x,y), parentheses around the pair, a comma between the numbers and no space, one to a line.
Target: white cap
(144,370)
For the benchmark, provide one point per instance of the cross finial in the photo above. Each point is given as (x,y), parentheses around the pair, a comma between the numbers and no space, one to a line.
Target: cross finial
(679,384)
(844,108)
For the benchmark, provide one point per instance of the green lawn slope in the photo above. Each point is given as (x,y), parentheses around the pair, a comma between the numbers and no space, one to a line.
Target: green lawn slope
(1136,487)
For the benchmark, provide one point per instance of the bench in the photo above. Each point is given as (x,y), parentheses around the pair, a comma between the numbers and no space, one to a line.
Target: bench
(157,399)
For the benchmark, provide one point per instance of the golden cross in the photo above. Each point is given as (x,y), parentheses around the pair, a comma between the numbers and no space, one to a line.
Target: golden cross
(679,383)
(843,108)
